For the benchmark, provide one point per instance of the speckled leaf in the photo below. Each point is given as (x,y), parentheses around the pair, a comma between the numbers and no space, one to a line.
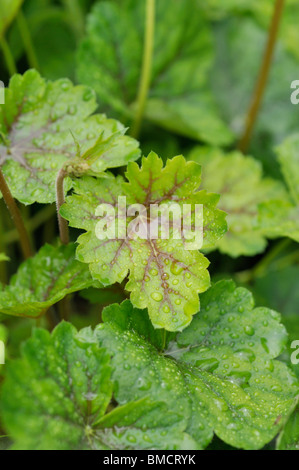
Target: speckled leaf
(240,182)
(41,126)
(164,276)
(55,398)
(110,60)
(219,374)
(8,11)
(43,280)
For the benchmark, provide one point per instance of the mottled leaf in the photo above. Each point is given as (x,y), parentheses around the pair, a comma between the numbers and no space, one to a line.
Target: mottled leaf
(239,180)
(43,280)
(42,125)
(219,374)
(110,60)
(164,276)
(55,398)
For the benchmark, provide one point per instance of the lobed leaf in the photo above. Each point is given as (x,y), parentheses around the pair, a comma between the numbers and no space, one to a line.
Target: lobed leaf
(43,280)
(58,397)
(243,188)
(220,374)
(180,100)
(42,124)
(164,276)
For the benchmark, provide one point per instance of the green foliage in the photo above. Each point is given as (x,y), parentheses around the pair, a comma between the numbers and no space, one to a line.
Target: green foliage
(44,280)
(163,275)
(242,187)
(219,374)
(180,98)
(152,357)
(239,55)
(57,397)
(280,218)
(41,126)
(288,439)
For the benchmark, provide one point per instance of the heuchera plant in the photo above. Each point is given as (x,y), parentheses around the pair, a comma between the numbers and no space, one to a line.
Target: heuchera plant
(126,342)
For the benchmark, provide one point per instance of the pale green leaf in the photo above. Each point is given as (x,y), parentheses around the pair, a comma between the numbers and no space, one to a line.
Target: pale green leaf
(239,180)
(164,276)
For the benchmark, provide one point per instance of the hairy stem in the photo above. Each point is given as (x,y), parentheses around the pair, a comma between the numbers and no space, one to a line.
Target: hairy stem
(27,40)
(8,57)
(262,78)
(63,225)
(16,216)
(146,71)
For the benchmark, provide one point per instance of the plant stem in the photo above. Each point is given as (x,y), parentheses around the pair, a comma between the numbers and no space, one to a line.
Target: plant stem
(16,216)
(262,78)
(75,13)
(146,71)
(27,40)
(8,57)
(63,225)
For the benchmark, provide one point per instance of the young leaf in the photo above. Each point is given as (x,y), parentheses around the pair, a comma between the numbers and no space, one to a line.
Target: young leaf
(242,187)
(219,374)
(40,124)
(44,280)
(281,217)
(55,398)
(179,97)
(164,276)
(8,11)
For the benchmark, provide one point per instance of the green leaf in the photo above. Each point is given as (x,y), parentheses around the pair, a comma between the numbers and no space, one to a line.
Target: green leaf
(288,157)
(280,218)
(164,276)
(43,280)
(219,374)
(288,438)
(179,100)
(40,124)
(8,11)
(240,182)
(55,398)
